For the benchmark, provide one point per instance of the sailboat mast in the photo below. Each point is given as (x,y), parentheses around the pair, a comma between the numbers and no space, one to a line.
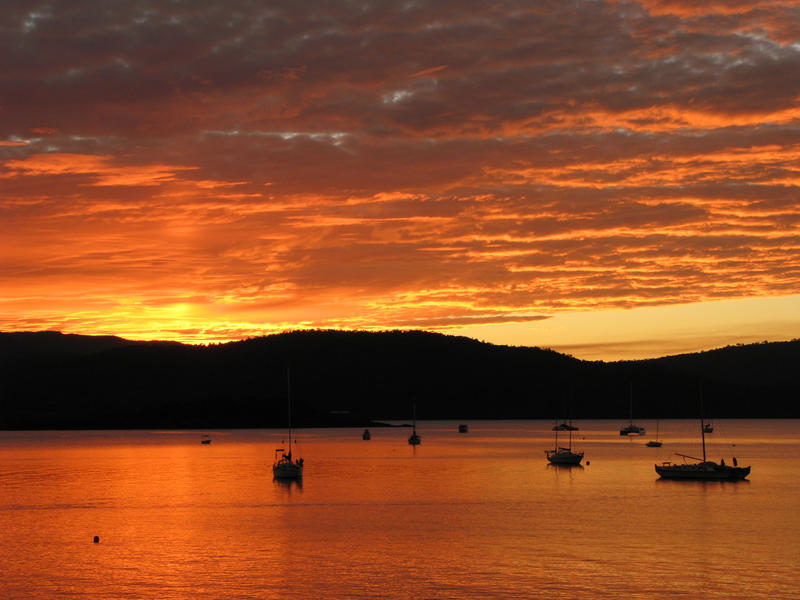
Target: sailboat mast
(630,399)
(702,425)
(289,405)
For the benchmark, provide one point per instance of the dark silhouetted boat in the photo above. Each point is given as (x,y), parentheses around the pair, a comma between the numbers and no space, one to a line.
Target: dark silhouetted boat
(285,467)
(463,428)
(703,469)
(206,439)
(564,455)
(631,429)
(366,435)
(565,427)
(414,438)
(656,443)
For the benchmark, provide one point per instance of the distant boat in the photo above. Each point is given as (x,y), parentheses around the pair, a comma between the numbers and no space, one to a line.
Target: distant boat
(463,428)
(656,443)
(284,467)
(704,469)
(564,455)
(631,429)
(366,435)
(414,439)
(205,439)
(565,427)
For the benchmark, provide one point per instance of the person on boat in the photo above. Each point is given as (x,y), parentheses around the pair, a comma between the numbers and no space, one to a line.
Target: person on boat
(722,462)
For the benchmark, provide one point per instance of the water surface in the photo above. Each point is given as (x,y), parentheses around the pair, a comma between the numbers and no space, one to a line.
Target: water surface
(476,515)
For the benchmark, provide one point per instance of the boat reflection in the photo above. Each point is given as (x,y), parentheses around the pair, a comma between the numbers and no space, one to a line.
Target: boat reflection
(289,485)
(703,482)
(565,467)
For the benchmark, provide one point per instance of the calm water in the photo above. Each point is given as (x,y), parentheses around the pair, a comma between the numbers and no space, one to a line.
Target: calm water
(476,515)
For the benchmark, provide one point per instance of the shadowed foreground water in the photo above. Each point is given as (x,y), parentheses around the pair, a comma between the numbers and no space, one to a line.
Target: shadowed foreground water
(477,515)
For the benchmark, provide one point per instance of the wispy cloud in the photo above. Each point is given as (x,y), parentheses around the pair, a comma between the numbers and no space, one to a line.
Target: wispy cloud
(211,171)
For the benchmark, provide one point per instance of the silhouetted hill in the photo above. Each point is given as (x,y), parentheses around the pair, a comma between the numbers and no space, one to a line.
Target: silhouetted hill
(24,345)
(50,380)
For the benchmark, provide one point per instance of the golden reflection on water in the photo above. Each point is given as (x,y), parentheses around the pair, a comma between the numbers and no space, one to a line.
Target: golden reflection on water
(477,515)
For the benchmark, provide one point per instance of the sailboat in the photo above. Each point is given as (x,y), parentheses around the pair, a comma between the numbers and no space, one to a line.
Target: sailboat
(703,469)
(414,439)
(656,443)
(565,427)
(284,467)
(631,428)
(562,455)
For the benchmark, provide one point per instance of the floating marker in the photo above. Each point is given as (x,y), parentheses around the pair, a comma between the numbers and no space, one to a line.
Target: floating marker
(97,539)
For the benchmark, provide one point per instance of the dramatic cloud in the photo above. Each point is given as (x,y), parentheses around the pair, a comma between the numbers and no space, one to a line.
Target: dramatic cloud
(205,171)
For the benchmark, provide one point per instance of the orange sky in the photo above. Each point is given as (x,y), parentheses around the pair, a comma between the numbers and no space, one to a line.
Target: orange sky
(610,179)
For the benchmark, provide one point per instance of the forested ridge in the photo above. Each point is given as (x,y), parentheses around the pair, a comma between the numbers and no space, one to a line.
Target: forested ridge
(52,380)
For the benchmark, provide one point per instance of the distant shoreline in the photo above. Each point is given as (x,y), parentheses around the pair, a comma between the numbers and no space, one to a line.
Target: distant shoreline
(378,424)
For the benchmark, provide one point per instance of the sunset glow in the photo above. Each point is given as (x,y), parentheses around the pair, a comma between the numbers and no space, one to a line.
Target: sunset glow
(611,179)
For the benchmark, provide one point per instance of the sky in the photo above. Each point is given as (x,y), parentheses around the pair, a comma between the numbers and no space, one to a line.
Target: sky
(609,179)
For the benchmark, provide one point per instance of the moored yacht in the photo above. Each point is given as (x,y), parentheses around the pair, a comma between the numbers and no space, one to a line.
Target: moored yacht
(565,427)
(656,443)
(284,466)
(564,455)
(632,429)
(703,469)
(414,439)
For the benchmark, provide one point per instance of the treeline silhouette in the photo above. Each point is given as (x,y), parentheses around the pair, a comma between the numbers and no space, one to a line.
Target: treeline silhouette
(51,380)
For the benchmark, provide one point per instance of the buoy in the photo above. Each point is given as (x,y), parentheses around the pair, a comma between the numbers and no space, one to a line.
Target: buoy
(588,463)
(97,539)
